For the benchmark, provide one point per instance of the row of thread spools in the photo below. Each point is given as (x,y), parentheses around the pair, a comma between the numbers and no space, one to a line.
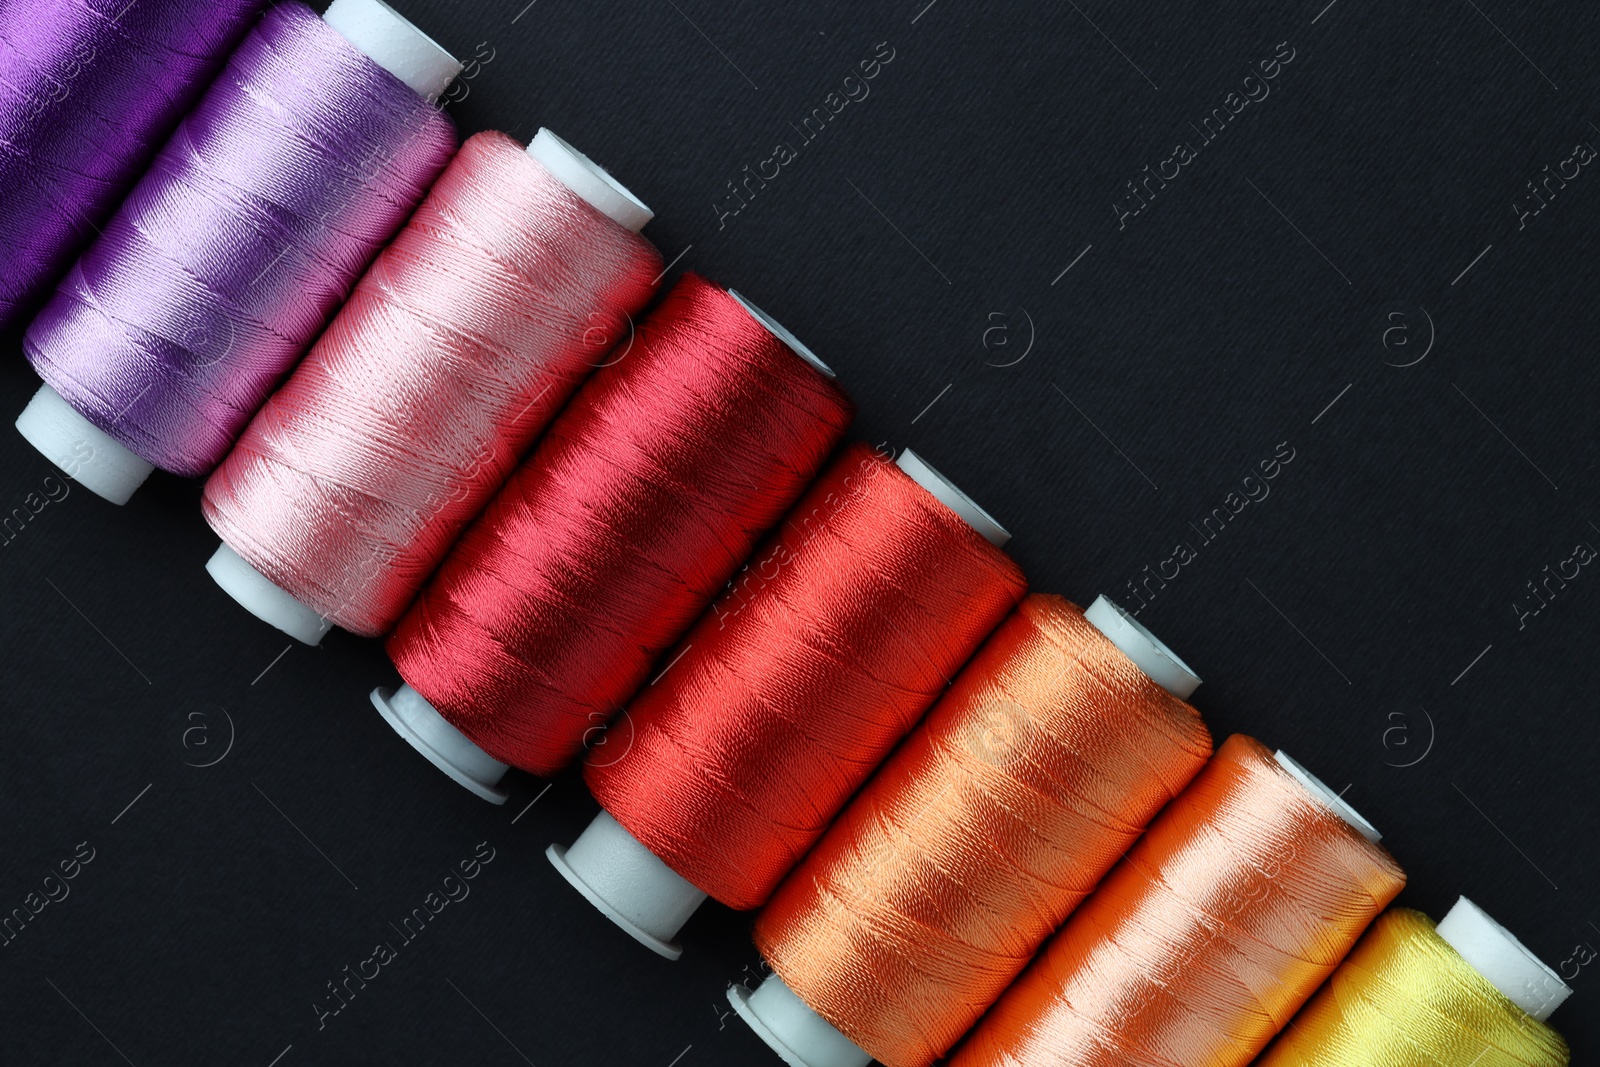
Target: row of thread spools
(1051,862)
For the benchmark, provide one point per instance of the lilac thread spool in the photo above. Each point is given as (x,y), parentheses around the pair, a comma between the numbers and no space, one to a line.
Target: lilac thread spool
(91,90)
(229,256)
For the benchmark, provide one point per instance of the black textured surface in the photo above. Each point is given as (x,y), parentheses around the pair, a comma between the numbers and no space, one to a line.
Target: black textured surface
(1369,608)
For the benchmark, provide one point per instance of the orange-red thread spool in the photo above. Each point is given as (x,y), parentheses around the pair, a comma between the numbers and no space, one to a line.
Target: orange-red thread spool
(1027,782)
(778,704)
(1203,942)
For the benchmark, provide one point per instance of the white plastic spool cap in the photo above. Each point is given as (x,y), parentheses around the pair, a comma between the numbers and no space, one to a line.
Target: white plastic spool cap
(1328,797)
(1507,963)
(589,180)
(628,883)
(1143,647)
(89,455)
(447,748)
(800,1036)
(945,491)
(391,41)
(257,595)
(776,329)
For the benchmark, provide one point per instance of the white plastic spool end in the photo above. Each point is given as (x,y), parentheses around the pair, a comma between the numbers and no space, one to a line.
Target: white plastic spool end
(589,180)
(629,884)
(1508,964)
(777,330)
(89,456)
(1148,653)
(799,1036)
(256,593)
(1328,797)
(945,491)
(419,722)
(390,40)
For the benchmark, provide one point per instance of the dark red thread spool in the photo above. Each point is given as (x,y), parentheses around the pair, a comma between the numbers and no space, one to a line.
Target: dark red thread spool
(827,648)
(640,502)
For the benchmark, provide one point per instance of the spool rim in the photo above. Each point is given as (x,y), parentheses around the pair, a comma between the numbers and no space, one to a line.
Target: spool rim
(494,794)
(557,855)
(951,496)
(59,432)
(599,189)
(1318,789)
(738,996)
(782,333)
(1149,653)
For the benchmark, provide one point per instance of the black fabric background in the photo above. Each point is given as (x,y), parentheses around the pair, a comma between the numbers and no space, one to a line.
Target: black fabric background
(929,223)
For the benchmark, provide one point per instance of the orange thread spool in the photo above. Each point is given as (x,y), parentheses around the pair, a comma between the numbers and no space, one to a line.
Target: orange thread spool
(1227,915)
(1023,787)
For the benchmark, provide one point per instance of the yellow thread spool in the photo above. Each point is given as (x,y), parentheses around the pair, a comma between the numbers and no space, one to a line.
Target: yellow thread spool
(1405,998)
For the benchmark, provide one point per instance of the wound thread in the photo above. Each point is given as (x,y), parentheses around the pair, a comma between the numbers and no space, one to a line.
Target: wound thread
(826,650)
(1240,899)
(91,89)
(993,820)
(1405,998)
(631,514)
(248,230)
(459,345)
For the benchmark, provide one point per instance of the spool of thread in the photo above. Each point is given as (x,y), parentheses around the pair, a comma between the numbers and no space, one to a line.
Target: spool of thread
(250,227)
(825,651)
(91,89)
(1240,899)
(1409,995)
(632,513)
(995,818)
(459,345)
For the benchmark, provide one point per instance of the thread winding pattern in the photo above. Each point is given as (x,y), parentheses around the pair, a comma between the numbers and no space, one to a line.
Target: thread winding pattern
(828,647)
(1241,898)
(248,230)
(459,345)
(1001,811)
(1405,998)
(628,518)
(88,91)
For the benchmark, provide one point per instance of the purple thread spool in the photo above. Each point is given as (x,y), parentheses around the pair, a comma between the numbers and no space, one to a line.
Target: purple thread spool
(252,225)
(91,89)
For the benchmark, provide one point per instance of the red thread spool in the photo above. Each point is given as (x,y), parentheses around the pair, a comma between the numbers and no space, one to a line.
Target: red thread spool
(1241,898)
(996,817)
(459,345)
(783,698)
(634,510)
